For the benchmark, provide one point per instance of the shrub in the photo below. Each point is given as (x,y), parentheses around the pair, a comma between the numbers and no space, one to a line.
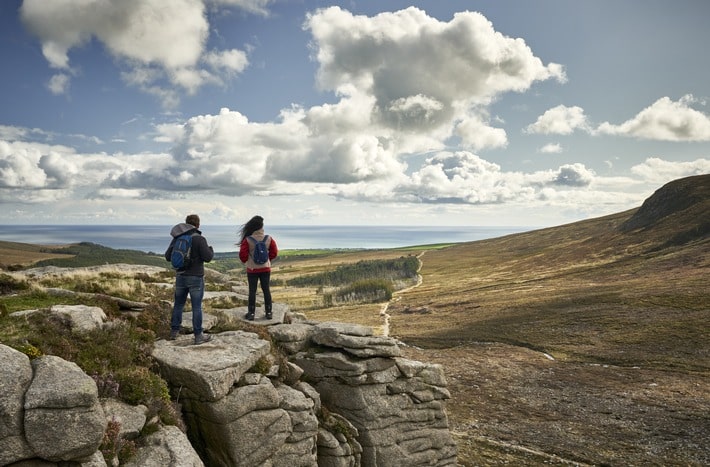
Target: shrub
(390,269)
(118,346)
(156,319)
(114,446)
(107,385)
(263,365)
(9,284)
(370,290)
(139,385)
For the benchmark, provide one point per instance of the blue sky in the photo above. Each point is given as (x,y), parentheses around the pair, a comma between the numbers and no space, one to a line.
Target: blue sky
(521,113)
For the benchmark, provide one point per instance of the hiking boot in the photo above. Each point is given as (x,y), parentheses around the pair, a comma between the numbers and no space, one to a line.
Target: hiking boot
(173,335)
(202,338)
(250,316)
(268,315)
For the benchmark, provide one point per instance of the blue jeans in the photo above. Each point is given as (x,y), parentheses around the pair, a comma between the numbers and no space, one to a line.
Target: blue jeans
(195,287)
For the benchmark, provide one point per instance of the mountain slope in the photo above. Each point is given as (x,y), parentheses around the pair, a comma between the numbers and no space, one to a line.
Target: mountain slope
(595,290)
(583,344)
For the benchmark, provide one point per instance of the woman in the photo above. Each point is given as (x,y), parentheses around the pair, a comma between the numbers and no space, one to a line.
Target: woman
(251,233)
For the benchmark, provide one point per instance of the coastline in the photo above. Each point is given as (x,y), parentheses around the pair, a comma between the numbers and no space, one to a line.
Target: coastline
(223,238)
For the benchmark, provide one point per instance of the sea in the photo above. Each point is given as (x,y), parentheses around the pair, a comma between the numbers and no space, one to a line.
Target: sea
(223,238)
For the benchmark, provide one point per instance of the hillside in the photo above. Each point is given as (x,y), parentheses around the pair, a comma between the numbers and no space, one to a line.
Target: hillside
(586,342)
(14,255)
(616,294)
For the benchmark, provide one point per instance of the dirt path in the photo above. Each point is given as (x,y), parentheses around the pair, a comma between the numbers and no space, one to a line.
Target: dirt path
(395,298)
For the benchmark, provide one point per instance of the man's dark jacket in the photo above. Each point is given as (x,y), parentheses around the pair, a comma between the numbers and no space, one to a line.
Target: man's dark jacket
(199,254)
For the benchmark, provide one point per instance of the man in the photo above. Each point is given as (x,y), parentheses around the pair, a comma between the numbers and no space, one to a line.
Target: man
(191,279)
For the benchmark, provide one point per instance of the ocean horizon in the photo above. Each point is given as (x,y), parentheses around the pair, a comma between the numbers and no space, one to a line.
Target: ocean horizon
(155,238)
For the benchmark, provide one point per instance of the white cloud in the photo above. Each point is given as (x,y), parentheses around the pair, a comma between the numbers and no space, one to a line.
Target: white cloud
(425,75)
(464,178)
(232,61)
(665,120)
(574,175)
(560,120)
(407,85)
(160,42)
(254,6)
(658,171)
(59,83)
(551,148)
(477,135)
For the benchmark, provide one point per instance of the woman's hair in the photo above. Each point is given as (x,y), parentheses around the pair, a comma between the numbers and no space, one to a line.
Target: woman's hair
(254,224)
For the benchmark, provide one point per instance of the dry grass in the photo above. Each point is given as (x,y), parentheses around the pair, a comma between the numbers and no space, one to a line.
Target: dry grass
(572,345)
(22,254)
(624,320)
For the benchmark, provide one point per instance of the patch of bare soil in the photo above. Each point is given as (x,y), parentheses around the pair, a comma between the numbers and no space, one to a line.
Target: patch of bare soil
(512,405)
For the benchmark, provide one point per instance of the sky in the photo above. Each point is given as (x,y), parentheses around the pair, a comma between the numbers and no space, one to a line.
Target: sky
(485,113)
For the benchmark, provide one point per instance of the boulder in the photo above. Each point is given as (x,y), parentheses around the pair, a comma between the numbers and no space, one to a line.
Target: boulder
(131,418)
(337,442)
(208,371)
(292,338)
(167,447)
(355,339)
(278,314)
(15,378)
(245,427)
(257,423)
(82,318)
(64,419)
(396,405)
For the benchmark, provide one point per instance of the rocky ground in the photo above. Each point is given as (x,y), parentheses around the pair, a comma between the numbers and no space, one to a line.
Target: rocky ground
(514,406)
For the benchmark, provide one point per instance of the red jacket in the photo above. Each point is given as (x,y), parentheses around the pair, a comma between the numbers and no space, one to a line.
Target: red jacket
(246,250)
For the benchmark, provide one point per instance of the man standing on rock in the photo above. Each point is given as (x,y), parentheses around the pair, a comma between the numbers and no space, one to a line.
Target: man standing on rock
(190,279)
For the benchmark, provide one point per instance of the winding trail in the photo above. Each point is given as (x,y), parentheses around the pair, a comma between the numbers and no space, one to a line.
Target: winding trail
(383,311)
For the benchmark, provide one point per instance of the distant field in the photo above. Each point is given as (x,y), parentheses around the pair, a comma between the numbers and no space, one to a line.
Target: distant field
(24,254)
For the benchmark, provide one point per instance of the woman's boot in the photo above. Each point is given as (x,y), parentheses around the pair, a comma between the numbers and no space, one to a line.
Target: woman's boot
(250,312)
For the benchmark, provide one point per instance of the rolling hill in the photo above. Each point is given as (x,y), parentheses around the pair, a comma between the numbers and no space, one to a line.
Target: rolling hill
(585,343)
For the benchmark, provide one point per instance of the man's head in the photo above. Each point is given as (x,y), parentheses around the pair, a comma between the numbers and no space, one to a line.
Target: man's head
(193,219)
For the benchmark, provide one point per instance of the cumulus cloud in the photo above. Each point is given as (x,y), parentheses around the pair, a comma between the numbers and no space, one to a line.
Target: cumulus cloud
(407,84)
(477,135)
(551,148)
(665,120)
(658,171)
(575,175)
(33,171)
(160,42)
(424,74)
(560,120)
(462,177)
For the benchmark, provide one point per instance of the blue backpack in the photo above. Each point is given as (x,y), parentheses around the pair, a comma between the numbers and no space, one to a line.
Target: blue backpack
(261,251)
(180,259)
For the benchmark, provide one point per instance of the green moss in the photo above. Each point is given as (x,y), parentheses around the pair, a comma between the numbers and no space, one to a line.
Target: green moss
(29,350)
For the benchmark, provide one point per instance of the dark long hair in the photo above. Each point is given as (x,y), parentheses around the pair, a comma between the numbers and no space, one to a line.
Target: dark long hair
(254,224)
